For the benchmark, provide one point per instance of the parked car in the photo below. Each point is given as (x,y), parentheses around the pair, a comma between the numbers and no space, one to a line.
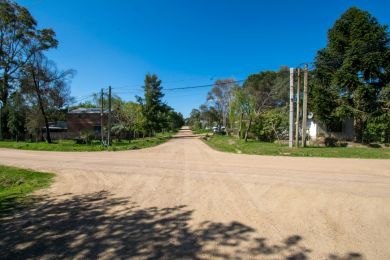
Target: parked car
(219,130)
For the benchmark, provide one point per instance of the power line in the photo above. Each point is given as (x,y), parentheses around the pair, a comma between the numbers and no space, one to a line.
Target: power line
(207,85)
(212,77)
(134,91)
(137,88)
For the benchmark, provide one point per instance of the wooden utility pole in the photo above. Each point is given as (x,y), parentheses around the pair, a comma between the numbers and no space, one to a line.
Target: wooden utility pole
(109,117)
(101,115)
(304,114)
(298,105)
(291,119)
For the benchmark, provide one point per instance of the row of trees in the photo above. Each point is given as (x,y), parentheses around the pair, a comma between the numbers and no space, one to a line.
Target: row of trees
(35,92)
(258,107)
(350,79)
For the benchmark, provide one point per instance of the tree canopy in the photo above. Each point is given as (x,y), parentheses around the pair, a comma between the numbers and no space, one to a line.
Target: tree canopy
(20,40)
(352,71)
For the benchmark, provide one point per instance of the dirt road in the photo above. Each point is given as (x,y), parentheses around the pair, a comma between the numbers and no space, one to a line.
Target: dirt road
(185,200)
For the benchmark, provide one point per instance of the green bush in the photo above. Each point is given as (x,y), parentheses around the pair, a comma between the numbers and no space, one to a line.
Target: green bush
(270,126)
(378,129)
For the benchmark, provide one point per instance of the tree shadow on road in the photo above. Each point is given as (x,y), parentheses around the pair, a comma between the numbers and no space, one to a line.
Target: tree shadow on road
(100,225)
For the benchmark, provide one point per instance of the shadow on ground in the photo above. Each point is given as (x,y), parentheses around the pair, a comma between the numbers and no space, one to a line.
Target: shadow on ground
(100,225)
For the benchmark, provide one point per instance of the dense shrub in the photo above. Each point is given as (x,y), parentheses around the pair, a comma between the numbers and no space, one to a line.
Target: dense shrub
(271,126)
(378,129)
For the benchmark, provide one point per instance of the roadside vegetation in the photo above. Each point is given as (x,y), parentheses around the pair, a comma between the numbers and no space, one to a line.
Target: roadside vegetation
(94,145)
(35,95)
(234,145)
(16,184)
(348,85)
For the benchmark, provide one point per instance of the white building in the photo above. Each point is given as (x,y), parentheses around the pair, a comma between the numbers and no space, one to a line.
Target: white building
(346,130)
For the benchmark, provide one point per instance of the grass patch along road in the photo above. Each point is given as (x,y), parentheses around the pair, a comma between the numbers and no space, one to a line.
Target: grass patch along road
(233,145)
(71,146)
(16,184)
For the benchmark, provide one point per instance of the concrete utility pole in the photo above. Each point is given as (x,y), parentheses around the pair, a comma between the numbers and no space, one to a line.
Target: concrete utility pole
(291,119)
(109,117)
(101,115)
(304,114)
(298,105)
(1,112)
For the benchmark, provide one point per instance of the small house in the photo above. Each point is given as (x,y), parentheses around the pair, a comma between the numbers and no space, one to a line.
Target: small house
(344,131)
(85,120)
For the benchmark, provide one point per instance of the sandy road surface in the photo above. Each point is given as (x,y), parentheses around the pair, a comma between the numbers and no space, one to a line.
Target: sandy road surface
(185,200)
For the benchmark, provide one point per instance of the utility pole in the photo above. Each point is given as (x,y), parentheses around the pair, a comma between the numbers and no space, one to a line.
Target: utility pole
(101,116)
(304,114)
(1,112)
(109,117)
(298,105)
(291,119)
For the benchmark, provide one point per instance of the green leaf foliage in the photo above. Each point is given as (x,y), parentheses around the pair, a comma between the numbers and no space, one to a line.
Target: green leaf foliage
(352,72)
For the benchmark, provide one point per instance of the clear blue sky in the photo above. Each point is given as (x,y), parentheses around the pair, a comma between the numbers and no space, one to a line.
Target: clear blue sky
(185,43)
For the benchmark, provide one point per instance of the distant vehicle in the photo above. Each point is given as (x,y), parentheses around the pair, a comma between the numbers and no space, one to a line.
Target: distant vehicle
(219,130)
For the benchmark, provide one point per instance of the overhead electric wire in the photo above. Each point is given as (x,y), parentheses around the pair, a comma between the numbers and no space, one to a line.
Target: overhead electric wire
(207,85)
(211,78)
(183,88)
(138,88)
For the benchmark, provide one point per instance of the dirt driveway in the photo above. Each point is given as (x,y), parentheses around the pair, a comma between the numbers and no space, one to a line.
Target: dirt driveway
(185,200)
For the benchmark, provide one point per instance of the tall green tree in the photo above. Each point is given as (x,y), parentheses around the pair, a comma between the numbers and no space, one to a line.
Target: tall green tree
(152,104)
(268,91)
(20,39)
(352,71)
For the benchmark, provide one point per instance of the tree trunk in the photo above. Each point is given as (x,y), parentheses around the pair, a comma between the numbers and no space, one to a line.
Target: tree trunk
(48,138)
(40,102)
(247,129)
(359,128)
(276,132)
(4,110)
